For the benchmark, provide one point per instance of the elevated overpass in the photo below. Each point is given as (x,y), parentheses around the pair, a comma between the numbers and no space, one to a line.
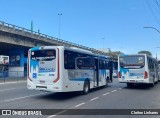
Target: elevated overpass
(15,42)
(19,36)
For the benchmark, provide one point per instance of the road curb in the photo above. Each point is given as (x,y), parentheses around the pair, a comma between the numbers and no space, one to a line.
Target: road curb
(13,82)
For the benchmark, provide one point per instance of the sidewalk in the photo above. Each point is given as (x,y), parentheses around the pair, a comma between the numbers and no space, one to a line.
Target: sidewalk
(12,80)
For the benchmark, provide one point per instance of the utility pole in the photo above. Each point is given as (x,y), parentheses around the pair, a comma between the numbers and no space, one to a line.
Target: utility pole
(103,42)
(59,14)
(153,28)
(32,26)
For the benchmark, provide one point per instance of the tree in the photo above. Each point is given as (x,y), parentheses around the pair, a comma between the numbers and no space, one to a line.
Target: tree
(145,52)
(115,53)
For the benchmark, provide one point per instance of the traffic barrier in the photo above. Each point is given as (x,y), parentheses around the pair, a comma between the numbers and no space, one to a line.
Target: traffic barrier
(13,76)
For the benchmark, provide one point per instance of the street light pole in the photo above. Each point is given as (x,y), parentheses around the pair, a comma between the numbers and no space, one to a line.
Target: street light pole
(157,31)
(59,14)
(103,42)
(156,53)
(153,28)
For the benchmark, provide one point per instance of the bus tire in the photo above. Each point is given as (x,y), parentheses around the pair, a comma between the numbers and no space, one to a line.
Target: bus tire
(152,84)
(106,82)
(86,87)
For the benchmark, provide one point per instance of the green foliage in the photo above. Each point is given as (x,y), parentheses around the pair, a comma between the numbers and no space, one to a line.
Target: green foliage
(115,54)
(145,52)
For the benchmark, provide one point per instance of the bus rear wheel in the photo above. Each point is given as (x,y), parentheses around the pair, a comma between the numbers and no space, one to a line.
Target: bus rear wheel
(86,88)
(152,84)
(106,82)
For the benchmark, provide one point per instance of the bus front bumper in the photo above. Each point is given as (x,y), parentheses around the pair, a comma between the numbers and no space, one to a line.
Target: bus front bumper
(43,87)
(134,81)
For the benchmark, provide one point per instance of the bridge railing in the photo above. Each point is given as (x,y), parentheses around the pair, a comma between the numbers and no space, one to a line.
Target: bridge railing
(40,35)
(14,27)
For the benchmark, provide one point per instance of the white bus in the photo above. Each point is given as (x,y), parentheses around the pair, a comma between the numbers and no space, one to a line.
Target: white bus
(137,69)
(4,59)
(64,69)
(159,69)
(115,68)
(4,65)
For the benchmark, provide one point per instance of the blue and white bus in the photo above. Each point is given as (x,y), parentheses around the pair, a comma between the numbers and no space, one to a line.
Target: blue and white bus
(115,68)
(64,69)
(158,69)
(137,69)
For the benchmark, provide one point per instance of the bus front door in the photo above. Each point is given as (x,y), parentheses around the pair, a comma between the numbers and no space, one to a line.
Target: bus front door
(96,78)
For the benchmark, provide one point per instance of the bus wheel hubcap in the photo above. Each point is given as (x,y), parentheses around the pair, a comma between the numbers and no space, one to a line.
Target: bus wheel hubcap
(86,88)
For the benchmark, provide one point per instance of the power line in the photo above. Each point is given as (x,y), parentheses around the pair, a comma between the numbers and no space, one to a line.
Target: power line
(158,3)
(152,8)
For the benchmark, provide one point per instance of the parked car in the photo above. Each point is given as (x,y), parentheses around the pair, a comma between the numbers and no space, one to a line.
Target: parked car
(115,73)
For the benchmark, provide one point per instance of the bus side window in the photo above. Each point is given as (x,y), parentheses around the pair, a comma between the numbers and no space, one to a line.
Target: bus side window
(85,63)
(69,59)
(149,64)
(104,64)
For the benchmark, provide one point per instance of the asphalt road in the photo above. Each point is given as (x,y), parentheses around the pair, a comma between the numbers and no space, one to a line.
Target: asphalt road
(115,96)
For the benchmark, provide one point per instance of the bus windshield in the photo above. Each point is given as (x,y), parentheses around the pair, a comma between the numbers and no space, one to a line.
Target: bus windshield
(134,62)
(43,55)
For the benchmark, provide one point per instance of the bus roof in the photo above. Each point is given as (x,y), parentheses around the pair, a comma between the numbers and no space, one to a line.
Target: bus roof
(72,49)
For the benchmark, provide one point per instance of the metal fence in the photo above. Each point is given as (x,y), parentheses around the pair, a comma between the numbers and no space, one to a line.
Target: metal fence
(13,76)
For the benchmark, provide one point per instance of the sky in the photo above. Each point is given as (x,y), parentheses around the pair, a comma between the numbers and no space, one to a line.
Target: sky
(115,24)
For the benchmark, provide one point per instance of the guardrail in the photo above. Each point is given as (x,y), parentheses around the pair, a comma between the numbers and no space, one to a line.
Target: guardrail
(44,36)
(13,76)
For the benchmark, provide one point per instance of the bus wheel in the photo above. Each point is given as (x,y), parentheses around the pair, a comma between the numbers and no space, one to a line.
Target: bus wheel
(152,84)
(106,82)
(86,87)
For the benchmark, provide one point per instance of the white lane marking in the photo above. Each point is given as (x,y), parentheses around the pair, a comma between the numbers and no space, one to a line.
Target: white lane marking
(113,91)
(51,116)
(94,98)
(80,104)
(59,113)
(7,89)
(13,82)
(106,94)
(119,88)
(11,89)
(22,97)
(156,103)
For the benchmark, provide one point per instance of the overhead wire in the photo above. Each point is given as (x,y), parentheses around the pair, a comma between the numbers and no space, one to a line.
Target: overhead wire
(158,3)
(153,8)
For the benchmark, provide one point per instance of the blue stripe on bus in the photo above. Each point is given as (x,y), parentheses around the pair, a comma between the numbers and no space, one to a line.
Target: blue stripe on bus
(35,48)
